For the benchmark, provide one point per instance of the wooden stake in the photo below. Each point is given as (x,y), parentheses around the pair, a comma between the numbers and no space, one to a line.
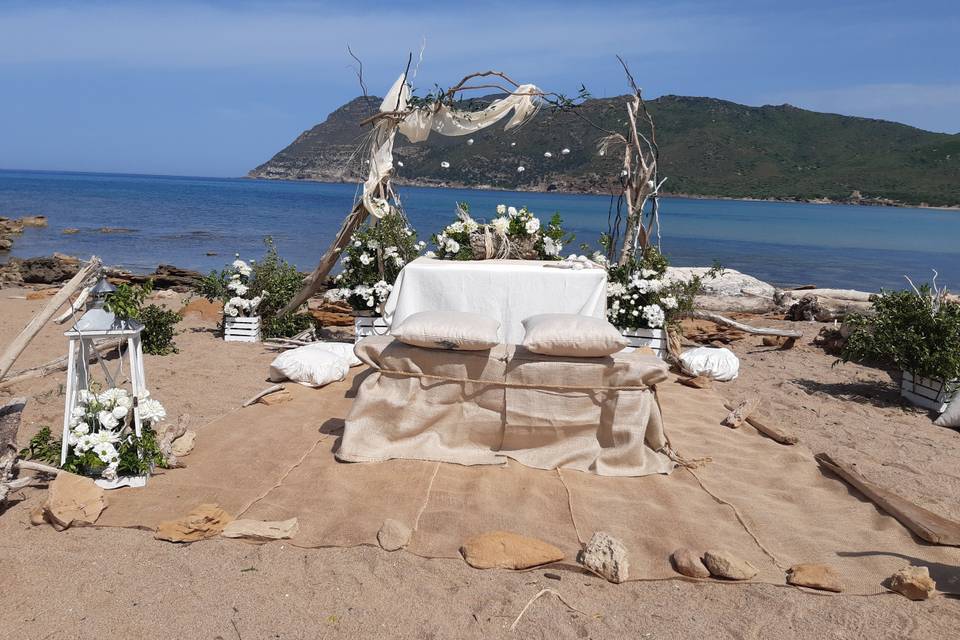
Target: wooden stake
(927,525)
(773,433)
(739,414)
(20,343)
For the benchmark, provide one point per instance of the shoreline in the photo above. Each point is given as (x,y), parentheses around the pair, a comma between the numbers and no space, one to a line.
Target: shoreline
(862,202)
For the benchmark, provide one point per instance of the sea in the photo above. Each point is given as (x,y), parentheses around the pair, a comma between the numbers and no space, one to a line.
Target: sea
(200,223)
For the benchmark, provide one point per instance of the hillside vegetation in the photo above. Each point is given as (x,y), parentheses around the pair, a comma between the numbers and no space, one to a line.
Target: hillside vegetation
(708,147)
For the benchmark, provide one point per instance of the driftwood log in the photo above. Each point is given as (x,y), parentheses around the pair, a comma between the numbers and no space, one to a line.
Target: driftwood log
(740,413)
(20,343)
(74,307)
(774,433)
(924,523)
(166,441)
(265,392)
(823,309)
(746,328)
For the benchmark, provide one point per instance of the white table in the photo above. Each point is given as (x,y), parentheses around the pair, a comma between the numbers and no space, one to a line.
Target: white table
(508,290)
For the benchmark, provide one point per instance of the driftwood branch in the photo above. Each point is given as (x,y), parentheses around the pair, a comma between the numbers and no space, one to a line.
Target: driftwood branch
(58,364)
(739,414)
(10,415)
(775,434)
(265,392)
(74,307)
(166,442)
(924,523)
(746,328)
(20,343)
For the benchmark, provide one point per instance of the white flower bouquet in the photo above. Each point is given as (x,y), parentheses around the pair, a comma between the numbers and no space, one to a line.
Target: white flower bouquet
(102,440)
(372,260)
(638,297)
(241,303)
(512,233)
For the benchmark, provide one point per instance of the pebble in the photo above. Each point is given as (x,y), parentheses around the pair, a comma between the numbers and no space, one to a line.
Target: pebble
(723,564)
(606,556)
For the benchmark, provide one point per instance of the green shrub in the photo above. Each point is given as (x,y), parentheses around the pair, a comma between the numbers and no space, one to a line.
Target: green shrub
(916,331)
(158,330)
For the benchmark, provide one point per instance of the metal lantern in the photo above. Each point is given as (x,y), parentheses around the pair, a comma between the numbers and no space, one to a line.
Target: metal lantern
(97,324)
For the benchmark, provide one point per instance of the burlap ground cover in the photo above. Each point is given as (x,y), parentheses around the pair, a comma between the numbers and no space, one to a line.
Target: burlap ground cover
(766,502)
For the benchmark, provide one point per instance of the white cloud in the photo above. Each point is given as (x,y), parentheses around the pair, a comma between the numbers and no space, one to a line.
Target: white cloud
(929,106)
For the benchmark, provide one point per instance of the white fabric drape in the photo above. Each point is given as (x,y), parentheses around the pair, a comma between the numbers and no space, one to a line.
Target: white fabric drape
(418,124)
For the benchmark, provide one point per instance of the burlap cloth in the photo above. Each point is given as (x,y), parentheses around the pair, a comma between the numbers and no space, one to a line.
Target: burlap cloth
(766,502)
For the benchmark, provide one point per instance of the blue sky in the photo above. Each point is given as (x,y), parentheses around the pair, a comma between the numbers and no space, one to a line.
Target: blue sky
(215,88)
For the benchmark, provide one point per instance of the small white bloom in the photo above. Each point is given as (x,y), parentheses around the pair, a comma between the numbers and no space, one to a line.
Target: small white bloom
(501,209)
(429,254)
(512,212)
(532,226)
(106,452)
(470,141)
(85,397)
(106,420)
(399,164)
(365,258)
(550,247)
(500,225)
(357,243)
(372,244)
(565,151)
(521,169)
(647,273)
(547,154)
(452,246)
(119,412)
(615,289)
(654,315)
(445,164)
(152,411)
(669,302)
(242,290)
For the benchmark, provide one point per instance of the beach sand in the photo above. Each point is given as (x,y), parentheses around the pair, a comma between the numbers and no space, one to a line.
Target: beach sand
(87,582)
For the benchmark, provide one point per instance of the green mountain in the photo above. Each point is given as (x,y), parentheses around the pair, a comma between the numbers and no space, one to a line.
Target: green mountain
(708,147)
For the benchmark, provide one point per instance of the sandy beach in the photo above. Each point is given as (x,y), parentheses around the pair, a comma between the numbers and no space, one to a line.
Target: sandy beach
(90,582)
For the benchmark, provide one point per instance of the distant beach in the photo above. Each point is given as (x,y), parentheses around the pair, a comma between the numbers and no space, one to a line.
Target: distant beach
(199,223)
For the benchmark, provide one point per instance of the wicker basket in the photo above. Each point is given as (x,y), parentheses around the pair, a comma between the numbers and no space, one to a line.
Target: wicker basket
(487,245)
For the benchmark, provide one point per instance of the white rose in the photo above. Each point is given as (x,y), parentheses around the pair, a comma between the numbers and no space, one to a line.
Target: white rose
(512,212)
(119,412)
(81,429)
(106,420)
(365,258)
(532,226)
(452,246)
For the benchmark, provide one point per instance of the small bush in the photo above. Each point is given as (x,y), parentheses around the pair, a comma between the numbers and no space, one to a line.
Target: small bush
(159,330)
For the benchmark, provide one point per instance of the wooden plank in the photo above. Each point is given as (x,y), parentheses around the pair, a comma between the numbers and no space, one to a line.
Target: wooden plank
(20,343)
(927,525)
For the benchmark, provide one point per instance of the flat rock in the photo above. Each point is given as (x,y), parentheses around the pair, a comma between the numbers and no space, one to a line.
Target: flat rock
(206,521)
(261,530)
(34,221)
(606,556)
(723,564)
(393,535)
(815,576)
(73,500)
(913,582)
(506,550)
(730,291)
(184,444)
(687,562)
(47,270)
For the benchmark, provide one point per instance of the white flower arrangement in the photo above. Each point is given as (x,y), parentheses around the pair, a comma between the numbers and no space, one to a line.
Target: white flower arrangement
(519,228)
(102,439)
(239,304)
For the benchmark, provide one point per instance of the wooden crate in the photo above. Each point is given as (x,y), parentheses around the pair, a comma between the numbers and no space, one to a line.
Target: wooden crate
(928,393)
(367,324)
(241,329)
(655,339)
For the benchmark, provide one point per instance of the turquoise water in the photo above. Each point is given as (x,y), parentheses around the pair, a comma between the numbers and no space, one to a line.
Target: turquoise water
(178,221)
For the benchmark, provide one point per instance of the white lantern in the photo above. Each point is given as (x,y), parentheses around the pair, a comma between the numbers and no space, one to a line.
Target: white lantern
(97,324)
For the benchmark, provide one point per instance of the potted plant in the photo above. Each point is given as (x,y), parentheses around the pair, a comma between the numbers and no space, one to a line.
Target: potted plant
(642,303)
(917,331)
(370,263)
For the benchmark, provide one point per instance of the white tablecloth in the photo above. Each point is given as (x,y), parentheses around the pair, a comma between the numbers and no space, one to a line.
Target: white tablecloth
(508,290)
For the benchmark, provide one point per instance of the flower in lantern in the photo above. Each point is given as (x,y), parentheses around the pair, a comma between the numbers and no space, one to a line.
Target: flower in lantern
(565,151)
(547,154)
(521,169)
(445,165)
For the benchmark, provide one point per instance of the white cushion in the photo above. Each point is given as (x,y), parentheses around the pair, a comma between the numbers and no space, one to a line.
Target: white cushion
(950,417)
(456,330)
(309,366)
(720,364)
(572,335)
(342,349)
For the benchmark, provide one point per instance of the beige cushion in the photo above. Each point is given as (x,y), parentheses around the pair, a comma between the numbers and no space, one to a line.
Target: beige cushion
(456,330)
(568,334)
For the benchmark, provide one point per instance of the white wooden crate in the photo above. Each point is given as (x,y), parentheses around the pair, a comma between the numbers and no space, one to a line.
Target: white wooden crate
(241,329)
(928,393)
(366,324)
(655,339)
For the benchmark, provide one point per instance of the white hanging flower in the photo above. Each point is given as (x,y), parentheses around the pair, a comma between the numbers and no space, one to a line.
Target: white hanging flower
(421,245)
(470,141)
(532,226)
(521,169)
(501,209)
(547,154)
(654,315)
(565,151)
(501,225)
(357,243)
(240,265)
(152,411)
(445,164)
(110,472)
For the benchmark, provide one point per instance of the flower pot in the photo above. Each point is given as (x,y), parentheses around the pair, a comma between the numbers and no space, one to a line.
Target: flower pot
(929,393)
(655,339)
(240,329)
(366,323)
